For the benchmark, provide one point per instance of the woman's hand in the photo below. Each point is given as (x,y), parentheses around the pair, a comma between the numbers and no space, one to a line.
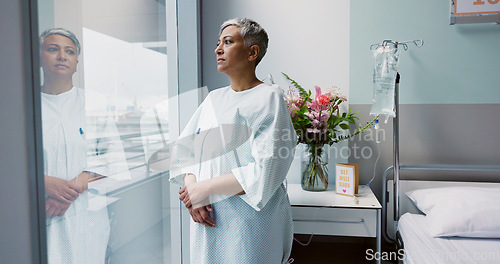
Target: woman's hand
(55,207)
(193,191)
(200,215)
(62,190)
(82,181)
(194,194)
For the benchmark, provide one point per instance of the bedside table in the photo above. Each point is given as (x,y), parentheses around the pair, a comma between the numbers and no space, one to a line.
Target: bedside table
(328,213)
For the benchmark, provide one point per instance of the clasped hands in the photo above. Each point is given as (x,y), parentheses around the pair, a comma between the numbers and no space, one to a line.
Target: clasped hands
(194,195)
(62,193)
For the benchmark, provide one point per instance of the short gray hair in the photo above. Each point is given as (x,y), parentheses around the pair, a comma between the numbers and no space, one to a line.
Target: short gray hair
(62,32)
(251,32)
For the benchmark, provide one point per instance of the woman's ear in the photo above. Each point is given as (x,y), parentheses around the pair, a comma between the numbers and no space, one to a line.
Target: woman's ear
(253,52)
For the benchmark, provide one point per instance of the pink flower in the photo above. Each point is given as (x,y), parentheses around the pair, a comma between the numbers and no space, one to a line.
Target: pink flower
(323,99)
(310,115)
(314,106)
(294,98)
(323,116)
(313,130)
(291,97)
(318,91)
(320,117)
(292,108)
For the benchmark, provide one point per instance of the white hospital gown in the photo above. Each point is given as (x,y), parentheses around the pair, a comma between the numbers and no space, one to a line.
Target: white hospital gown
(81,234)
(256,227)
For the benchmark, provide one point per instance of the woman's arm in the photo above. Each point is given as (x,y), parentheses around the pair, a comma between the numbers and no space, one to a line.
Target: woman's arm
(189,178)
(225,184)
(61,190)
(196,193)
(272,150)
(83,179)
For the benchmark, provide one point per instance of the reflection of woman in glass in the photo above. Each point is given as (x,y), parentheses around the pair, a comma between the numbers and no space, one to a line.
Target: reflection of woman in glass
(75,234)
(237,197)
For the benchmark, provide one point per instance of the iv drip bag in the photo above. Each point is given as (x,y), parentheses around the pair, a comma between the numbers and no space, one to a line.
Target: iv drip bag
(384,80)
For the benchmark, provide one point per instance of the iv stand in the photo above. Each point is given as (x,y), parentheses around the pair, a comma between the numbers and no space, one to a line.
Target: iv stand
(395,145)
(395,121)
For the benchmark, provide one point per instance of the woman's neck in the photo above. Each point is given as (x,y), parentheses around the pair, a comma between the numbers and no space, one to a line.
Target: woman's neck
(56,86)
(242,82)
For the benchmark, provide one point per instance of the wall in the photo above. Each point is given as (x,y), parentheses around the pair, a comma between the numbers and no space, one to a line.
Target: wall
(458,64)
(449,90)
(304,41)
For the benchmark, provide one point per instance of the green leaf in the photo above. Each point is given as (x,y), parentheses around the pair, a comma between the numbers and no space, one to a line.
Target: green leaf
(302,91)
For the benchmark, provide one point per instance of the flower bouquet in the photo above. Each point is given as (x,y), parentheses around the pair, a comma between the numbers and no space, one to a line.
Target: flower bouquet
(318,121)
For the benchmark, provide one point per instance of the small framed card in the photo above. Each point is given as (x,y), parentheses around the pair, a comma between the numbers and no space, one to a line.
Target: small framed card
(346,178)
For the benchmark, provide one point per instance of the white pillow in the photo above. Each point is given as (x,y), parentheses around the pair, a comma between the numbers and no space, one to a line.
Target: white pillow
(460,211)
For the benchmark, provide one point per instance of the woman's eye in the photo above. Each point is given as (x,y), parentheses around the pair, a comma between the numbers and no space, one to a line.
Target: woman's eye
(70,52)
(227,42)
(52,49)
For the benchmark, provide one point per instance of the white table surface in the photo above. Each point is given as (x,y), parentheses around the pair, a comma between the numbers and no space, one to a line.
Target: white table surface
(365,198)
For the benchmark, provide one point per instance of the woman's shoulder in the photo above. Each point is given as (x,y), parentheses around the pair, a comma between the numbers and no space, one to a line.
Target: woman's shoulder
(263,95)
(270,92)
(265,98)
(260,89)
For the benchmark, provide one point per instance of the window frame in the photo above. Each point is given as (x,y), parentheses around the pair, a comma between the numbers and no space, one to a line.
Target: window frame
(182,16)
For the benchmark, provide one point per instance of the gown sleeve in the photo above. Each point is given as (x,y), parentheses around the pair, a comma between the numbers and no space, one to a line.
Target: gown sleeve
(273,144)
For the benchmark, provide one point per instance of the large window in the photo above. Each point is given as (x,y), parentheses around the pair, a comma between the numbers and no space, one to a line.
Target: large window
(105,130)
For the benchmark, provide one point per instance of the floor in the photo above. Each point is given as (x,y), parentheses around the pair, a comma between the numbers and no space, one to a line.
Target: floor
(330,250)
(148,249)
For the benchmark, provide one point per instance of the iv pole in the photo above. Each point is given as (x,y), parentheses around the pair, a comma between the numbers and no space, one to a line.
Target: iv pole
(395,144)
(395,121)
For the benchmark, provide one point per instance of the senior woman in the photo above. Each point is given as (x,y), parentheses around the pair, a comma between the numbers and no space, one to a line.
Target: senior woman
(234,191)
(75,234)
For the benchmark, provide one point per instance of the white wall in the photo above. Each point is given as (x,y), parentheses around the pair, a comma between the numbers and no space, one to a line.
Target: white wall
(308,40)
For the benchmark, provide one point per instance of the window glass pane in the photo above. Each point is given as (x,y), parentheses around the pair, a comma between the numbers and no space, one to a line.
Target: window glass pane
(104,120)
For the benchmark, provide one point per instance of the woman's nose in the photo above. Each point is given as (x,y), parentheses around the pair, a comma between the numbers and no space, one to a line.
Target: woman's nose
(218,49)
(61,56)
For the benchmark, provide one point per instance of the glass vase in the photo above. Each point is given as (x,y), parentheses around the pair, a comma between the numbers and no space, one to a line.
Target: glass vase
(314,168)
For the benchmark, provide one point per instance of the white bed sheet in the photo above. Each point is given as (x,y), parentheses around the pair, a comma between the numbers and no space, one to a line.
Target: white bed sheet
(421,248)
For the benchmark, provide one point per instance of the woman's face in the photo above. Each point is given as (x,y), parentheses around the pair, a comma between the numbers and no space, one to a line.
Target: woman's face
(59,56)
(232,56)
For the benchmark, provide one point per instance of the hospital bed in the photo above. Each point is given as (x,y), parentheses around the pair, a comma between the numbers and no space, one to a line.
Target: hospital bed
(462,224)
